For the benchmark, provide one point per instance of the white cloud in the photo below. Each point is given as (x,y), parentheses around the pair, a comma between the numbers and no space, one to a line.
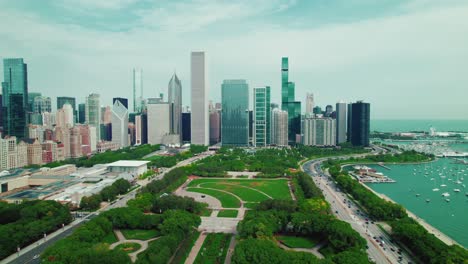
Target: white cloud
(95,4)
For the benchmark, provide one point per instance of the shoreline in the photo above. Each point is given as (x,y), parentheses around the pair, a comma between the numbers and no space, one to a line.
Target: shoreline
(429,228)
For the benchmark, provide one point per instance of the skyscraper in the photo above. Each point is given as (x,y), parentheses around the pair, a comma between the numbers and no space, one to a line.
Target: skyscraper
(120,124)
(137,87)
(319,132)
(234,113)
(93,113)
(186,127)
(328,110)
(81,113)
(200,90)
(31,96)
(15,97)
(262,117)
(340,122)
(61,100)
(174,92)
(215,126)
(359,123)
(42,104)
(288,102)
(158,121)
(279,127)
(309,103)
(123,101)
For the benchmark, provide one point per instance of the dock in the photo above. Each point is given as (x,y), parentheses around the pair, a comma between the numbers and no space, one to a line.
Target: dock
(383,165)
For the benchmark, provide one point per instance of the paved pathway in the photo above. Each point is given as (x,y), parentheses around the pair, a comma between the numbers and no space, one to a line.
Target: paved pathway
(232,246)
(123,240)
(314,250)
(196,247)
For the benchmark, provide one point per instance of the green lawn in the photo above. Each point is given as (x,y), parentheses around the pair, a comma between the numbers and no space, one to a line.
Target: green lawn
(110,238)
(278,189)
(214,249)
(206,212)
(128,247)
(297,242)
(140,234)
(228,213)
(250,205)
(227,200)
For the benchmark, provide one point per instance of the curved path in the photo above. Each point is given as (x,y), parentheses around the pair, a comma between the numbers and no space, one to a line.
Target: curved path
(123,240)
(237,185)
(314,250)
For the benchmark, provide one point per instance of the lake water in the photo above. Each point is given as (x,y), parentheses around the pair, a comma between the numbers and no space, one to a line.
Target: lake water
(418,125)
(449,217)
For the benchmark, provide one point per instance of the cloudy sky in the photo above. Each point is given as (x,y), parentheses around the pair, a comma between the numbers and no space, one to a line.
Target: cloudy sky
(409,59)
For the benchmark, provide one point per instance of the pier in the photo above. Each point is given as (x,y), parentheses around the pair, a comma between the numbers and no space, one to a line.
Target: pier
(383,166)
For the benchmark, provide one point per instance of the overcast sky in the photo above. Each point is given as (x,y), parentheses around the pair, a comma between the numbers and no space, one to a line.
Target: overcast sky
(409,59)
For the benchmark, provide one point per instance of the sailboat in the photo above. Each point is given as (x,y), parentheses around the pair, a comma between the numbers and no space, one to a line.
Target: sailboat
(435,188)
(456,190)
(428,200)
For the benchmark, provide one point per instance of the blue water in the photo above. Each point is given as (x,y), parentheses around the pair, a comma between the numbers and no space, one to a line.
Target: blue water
(449,217)
(418,125)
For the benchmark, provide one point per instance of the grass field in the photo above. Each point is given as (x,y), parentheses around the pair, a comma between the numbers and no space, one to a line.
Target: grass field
(297,242)
(248,190)
(227,200)
(228,213)
(214,249)
(128,247)
(139,234)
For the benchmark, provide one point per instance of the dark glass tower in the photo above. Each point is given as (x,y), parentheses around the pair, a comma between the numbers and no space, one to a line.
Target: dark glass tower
(186,127)
(288,102)
(359,127)
(82,113)
(235,113)
(15,98)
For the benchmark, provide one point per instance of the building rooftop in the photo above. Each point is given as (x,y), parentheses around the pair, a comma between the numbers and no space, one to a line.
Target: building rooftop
(128,163)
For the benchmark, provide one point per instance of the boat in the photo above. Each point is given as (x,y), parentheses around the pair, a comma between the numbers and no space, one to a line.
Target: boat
(456,190)
(435,189)
(446,194)
(447,200)
(428,200)
(417,195)
(443,185)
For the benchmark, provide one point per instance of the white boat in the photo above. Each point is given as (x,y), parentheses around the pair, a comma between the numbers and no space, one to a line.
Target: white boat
(456,190)
(443,185)
(447,200)
(428,200)
(417,195)
(435,189)
(446,194)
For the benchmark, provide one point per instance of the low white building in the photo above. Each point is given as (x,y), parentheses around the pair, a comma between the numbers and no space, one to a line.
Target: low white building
(133,167)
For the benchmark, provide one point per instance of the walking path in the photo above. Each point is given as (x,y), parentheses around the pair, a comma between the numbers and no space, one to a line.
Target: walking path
(232,246)
(196,247)
(314,250)
(122,240)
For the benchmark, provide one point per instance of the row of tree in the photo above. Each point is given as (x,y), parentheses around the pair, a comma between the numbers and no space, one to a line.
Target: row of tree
(107,194)
(21,224)
(170,161)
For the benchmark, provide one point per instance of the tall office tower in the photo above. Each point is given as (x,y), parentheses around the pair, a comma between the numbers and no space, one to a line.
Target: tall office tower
(15,98)
(279,127)
(120,124)
(141,129)
(158,122)
(1,111)
(317,110)
(309,103)
(215,126)
(359,123)
(199,116)
(288,102)
(81,113)
(137,87)
(31,96)
(234,113)
(42,104)
(93,113)
(61,100)
(174,98)
(340,122)
(319,132)
(123,101)
(186,127)
(261,117)
(107,115)
(328,110)
(75,142)
(64,117)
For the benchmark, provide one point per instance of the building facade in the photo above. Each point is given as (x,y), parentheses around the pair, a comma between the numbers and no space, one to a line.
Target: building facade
(279,127)
(93,112)
(288,102)
(359,123)
(199,115)
(319,132)
(309,103)
(261,117)
(120,124)
(158,122)
(341,122)
(174,97)
(234,113)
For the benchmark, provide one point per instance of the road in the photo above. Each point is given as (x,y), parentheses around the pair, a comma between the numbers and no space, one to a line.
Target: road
(346,210)
(30,253)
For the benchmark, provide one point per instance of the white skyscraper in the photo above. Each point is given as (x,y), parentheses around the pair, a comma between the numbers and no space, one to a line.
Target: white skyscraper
(319,132)
(279,127)
(200,116)
(120,124)
(309,103)
(158,122)
(341,122)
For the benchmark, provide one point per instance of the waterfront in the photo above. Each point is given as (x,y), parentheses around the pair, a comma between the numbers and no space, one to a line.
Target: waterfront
(418,125)
(413,187)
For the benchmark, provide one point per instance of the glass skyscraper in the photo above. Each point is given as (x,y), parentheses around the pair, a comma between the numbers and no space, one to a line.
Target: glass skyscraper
(262,116)
(359,123)
(93,113)
(174,97)
(234,113)
(288,102)
(15,97)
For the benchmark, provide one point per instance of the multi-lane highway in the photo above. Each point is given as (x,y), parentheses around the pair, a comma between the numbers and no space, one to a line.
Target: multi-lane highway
(380,247)
(31,253)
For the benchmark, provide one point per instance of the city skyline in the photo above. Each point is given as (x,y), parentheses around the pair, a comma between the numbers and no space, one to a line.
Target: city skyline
(411,52)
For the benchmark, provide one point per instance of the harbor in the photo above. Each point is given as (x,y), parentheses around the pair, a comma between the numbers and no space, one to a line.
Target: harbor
(366,174)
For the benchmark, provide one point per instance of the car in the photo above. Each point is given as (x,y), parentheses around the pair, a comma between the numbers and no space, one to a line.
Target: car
(336,212)
(374,237)
(203,196)
(367,247)
(377,240)
(36,257)
(349,206)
